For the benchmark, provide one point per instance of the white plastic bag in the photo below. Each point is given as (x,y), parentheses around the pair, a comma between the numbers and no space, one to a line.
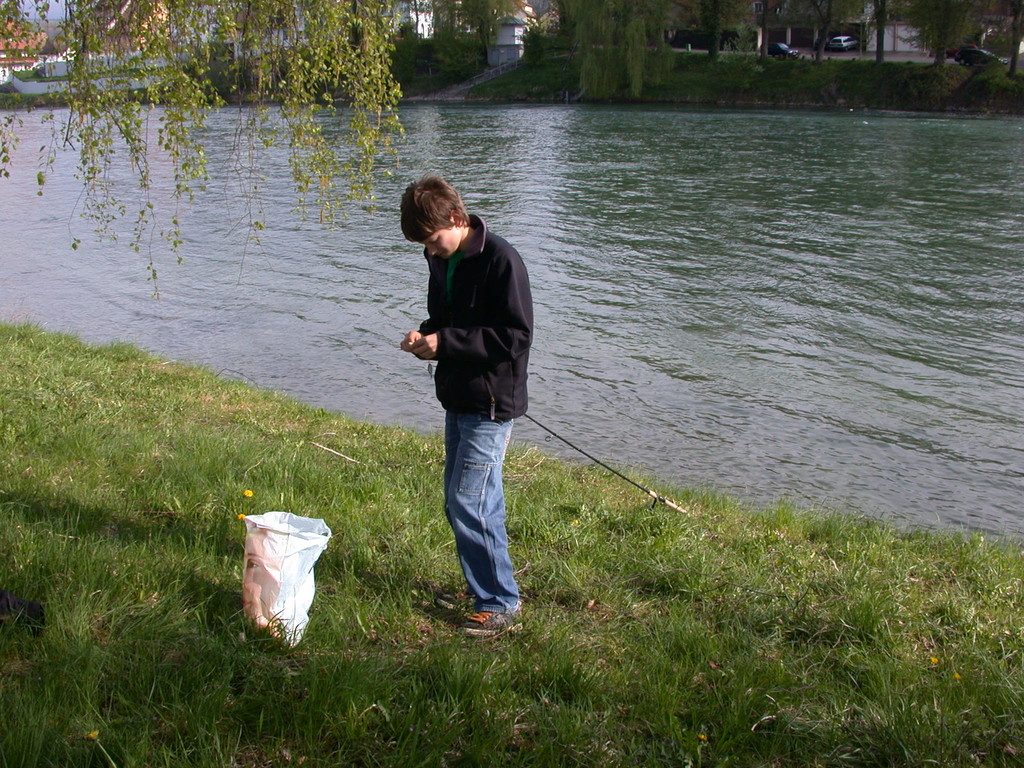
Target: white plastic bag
(278,585)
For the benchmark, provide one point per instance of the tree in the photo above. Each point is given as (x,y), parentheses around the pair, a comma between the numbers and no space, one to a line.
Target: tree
(463,30)
(482,16)
(768,7)
(880,18)
(940,24)
(718,15)
(827,13)
(303,55)
(823,14)
(1016,32)
(882,12)
(619,43)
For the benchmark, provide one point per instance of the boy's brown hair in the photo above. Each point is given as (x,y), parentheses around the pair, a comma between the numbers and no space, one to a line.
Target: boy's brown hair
(429,205)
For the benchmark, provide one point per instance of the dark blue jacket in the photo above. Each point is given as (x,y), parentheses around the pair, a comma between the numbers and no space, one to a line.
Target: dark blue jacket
(484,334)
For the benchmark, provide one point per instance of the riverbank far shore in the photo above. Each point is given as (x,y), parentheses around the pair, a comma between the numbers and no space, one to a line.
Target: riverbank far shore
(722,635)
(906,83)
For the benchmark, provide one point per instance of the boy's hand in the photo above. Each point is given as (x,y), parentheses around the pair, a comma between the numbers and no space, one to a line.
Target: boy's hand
(410,339)
(424,347)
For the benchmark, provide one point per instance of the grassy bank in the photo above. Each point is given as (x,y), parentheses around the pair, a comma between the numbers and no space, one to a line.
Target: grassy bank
(725,636)
(734,80)
(740,79)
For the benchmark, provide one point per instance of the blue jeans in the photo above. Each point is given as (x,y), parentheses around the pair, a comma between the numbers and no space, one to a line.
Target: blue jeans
(474,502)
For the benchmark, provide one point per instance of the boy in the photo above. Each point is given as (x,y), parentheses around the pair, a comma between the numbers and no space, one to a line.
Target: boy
(479,329)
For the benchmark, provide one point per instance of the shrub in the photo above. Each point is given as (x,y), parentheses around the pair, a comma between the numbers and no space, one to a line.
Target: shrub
(990,89)
(458,57)
(535,45)
(403,59)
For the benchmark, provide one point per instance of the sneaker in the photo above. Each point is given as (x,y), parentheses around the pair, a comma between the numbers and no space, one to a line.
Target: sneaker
(487,624)
(454,602)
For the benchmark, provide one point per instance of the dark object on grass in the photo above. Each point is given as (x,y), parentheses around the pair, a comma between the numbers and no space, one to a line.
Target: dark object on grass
(13,610)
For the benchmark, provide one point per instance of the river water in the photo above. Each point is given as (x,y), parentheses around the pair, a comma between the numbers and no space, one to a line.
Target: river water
(826,307)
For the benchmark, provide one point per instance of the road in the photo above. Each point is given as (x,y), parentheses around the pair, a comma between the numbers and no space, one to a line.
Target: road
(806,52)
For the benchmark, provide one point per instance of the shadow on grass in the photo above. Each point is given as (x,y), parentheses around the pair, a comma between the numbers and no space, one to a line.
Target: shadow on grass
(69,518)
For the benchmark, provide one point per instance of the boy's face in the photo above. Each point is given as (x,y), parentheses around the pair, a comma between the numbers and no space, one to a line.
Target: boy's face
(445,242)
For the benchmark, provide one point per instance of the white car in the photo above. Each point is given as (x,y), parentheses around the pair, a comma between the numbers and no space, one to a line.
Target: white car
(842,43)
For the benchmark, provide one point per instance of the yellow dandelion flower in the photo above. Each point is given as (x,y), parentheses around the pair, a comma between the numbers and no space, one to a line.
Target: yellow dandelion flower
(575,522)
(957,676)
(240,516)
(247,493)
(92,735)
(935,660)
(702,737)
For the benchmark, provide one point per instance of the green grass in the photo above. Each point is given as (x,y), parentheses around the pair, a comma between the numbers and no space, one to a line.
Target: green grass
(543,81)
(723,637)
(741,79)
(28,75)
(35,76)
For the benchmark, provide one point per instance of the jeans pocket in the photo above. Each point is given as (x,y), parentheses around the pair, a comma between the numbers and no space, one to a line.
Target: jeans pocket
(474,477)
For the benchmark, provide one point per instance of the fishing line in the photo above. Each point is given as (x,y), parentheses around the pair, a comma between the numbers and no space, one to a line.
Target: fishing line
(657,498)
(654,495)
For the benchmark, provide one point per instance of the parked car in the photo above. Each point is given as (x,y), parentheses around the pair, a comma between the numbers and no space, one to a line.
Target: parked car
(952,52)
(842,43)
(976,57)
(782,51)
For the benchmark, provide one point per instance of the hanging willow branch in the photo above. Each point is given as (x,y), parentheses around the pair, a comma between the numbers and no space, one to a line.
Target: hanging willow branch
(299,67)
(621,44)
